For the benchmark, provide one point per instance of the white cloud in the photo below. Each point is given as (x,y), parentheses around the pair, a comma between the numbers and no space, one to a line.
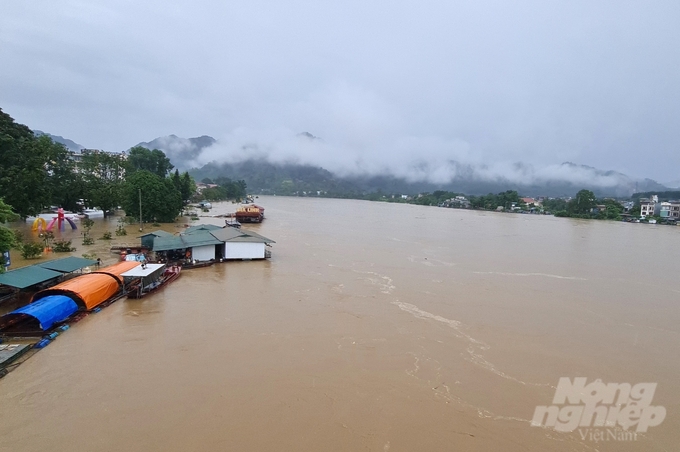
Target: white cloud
(487,84)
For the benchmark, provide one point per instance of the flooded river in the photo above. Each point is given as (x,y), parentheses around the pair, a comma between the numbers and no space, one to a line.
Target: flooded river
(378,327)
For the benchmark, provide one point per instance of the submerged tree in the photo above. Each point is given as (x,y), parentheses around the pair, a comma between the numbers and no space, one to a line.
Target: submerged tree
(161,201)
(104,174)
(187,187)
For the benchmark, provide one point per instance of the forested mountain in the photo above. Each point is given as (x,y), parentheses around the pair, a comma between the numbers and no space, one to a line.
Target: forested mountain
(37,172)
(266,177)
(181,151)
(70,144)
(263,176)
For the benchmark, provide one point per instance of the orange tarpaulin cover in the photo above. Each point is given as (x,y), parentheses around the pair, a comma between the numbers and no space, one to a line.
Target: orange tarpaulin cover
(88,291)
(91,290)
(119,268)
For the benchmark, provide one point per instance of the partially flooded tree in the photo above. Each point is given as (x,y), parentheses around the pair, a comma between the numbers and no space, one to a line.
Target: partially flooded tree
(161,201)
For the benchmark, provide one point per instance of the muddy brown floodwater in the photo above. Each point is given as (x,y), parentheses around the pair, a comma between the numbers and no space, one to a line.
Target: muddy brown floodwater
(381,327)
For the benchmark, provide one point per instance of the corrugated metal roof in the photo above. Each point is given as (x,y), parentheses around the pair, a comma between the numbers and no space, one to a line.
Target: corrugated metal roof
(200,238)
(250,239)
(158,233)
(67,264)
(201,228)
(210,235)
(168,243)
(27,276)
(256,235)
(225,234)
(229,234)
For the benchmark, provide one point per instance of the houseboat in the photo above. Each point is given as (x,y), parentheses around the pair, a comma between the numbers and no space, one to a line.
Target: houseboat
(147,278)
(250,213)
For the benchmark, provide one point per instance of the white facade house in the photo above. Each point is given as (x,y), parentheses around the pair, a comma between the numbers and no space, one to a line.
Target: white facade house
(242,244)
(203,253)
(244,250)
(204,243)
(650,207)
(670,210)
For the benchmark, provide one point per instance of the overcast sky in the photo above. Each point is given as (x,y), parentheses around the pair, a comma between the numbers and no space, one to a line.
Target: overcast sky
(483,82)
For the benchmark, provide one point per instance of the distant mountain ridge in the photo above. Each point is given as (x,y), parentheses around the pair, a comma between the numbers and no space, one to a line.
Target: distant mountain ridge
(181,151)
(70,145)
(262,175)
(292,178)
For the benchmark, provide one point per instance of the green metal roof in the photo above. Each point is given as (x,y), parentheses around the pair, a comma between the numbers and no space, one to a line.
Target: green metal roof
(67,264)
(27,276)
(226,234)
(210,235)
(255,235)
(200,238)
(168,243)
(158,233)
(197,238)
(250,239)
(240,235)
(201,228)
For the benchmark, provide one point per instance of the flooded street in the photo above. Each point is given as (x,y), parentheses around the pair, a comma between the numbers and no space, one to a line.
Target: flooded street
(374,326)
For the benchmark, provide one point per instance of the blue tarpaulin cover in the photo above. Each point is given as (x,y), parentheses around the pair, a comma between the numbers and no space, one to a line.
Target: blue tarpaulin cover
(48,310)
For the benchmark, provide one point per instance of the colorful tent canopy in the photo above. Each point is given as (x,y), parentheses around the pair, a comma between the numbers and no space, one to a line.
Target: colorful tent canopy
(88,291)
(42,314)
(116,270)
(92,289)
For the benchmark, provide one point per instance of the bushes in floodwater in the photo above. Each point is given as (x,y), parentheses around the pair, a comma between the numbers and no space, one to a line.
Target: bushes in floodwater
(62,246)
(31,250)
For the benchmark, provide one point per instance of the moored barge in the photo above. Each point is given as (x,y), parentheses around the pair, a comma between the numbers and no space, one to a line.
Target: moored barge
(251,213)
(148,278)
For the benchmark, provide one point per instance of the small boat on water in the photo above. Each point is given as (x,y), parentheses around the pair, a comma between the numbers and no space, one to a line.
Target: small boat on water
(232,223)
(148,278)
(196,264)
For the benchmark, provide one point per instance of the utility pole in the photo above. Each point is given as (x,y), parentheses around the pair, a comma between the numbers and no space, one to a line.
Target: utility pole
(140,210)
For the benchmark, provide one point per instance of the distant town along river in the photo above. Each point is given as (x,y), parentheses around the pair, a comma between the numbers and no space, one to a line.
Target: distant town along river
(374,326)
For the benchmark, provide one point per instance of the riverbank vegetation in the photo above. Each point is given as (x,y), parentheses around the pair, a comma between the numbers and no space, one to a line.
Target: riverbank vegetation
(225,189)
(37,173)
(585,205)
(8,237)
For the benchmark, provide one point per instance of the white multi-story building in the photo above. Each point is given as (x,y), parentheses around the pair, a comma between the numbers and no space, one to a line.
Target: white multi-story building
(112,170)
(650,207)
(670,210)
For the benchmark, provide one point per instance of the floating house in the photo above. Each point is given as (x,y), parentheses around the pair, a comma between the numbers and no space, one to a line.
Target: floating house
(33,277)
(250,213)
(56,304)
(214,243)
(148,239)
